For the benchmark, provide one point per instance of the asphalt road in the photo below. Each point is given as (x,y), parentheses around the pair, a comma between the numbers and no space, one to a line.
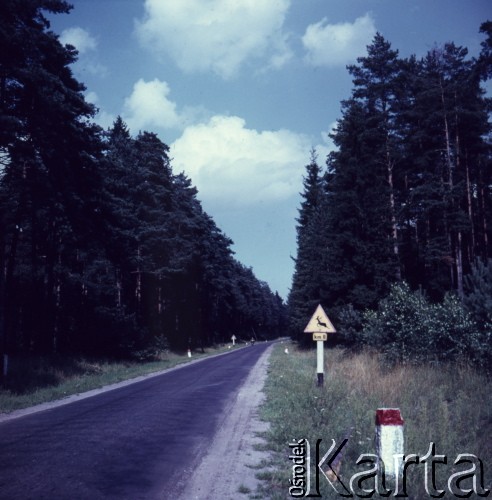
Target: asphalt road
(142,441)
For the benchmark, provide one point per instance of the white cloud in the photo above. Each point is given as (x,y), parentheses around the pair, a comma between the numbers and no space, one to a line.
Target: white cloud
(105,119)
(149,106)
(327,140)
(234,165)
(91,97)
(85,44)
(338,44)
(81,39)
(94,68)
(102,118)
(215,35)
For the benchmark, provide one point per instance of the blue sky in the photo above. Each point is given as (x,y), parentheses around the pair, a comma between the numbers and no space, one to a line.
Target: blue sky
(242,90)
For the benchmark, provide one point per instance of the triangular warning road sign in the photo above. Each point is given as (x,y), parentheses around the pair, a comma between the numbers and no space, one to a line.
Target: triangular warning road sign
(319,322)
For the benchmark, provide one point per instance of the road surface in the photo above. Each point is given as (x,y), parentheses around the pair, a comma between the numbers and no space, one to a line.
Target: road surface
(142,441)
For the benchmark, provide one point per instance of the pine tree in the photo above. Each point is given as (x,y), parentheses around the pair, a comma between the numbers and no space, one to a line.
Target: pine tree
(102,248)
(360,258)
(49,182)
(305,294)
(484,63)
(362,254)
(377,81)
(445,150)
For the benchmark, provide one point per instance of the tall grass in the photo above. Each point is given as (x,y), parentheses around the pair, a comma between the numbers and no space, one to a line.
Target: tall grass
(449,405)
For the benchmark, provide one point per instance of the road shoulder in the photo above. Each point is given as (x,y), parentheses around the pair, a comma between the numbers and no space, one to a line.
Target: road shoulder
(228,469)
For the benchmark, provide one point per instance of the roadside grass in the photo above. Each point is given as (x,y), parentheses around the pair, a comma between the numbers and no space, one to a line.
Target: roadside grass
(449,405)
(32,381)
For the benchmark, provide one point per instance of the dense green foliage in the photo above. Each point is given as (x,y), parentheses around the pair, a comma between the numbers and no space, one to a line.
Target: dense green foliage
(103,249)
(306,287)
(407,326)
(405,197)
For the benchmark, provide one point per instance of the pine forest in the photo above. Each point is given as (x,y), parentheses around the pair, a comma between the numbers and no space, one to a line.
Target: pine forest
(104,250)
(394,232)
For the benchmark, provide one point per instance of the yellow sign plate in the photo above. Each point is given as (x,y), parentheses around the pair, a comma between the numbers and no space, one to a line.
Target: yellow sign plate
(320,336)
(319,323)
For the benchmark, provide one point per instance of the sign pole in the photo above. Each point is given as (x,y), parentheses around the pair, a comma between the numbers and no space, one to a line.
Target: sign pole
(320,362)
(320,325)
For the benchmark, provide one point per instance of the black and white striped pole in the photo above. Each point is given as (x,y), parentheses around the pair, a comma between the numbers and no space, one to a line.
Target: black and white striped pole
(319,325)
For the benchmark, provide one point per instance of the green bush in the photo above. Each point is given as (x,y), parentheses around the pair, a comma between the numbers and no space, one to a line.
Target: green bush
(349,326)
(407,327)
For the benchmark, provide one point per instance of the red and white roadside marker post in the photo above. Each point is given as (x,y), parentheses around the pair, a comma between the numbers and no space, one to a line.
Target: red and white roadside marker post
(390,443)
(319,325)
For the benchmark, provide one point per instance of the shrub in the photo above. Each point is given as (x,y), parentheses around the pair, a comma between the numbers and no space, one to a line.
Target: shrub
(407,327)
(349,326)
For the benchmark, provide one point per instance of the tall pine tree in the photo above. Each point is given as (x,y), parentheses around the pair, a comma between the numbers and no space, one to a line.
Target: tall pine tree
(49,182)
(305,294)
(363,256)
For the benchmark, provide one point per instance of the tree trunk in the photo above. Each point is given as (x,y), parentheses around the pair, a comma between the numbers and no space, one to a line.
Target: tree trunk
(483,213)
(470,210)
(138,285)
(456,245)
(394,227)
(9,294)
(459,268)
(118,288)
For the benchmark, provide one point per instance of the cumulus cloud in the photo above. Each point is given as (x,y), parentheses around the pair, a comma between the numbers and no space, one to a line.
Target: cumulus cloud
(232,164)
(337,44)
(81,39)
(149,106)
(92,97)
(217,35)
(86,45)
(102,118)
(327,140)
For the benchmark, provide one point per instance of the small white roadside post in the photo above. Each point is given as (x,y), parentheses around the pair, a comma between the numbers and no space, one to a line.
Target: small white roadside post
(390,443)
(319,325)
(233,338)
